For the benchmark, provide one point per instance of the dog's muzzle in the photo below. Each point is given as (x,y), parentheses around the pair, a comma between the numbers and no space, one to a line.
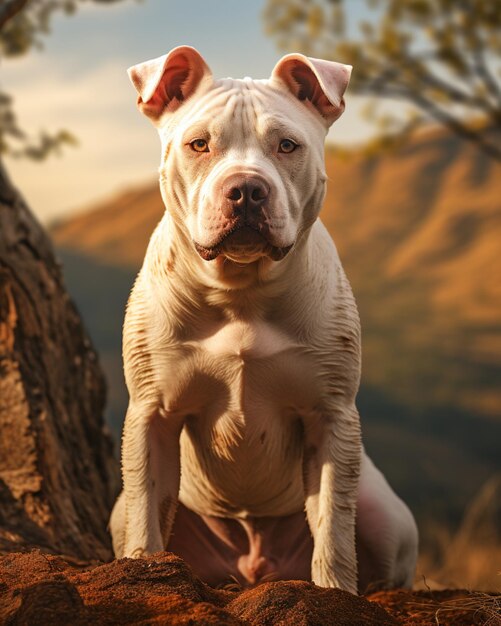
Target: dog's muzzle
(243,242)
(243,201)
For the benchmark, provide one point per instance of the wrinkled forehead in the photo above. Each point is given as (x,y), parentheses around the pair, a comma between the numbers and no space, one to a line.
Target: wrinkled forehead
(248,108)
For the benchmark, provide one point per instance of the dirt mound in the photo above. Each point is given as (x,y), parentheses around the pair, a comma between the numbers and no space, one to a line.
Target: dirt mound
(304,604)
(39,589)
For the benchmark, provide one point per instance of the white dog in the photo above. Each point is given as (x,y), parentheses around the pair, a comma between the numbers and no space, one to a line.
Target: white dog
(242,344)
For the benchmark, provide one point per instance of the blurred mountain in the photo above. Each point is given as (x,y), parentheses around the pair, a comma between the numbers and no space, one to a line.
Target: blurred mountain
(419,233)
(116,231)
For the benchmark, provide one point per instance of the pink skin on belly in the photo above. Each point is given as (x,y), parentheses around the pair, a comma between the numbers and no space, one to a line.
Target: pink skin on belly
(222,550)
(253,550)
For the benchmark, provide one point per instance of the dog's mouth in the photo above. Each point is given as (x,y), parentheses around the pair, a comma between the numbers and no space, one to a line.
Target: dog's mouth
(243,243)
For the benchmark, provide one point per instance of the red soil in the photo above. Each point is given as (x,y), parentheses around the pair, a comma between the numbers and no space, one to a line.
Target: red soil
(39,589)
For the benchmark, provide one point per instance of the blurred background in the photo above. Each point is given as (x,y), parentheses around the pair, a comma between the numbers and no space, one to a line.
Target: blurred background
(413,204)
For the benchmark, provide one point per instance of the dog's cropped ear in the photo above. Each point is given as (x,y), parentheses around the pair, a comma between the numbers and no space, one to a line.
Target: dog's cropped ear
(321,83)
(163,84)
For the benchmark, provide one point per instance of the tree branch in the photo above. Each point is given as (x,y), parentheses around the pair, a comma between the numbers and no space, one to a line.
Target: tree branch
(455,125)
(445,118)
(492,85)
(9,9)
(472,32)
(391,76)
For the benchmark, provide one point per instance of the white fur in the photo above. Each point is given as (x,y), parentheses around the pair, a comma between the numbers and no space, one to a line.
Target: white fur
(217,353)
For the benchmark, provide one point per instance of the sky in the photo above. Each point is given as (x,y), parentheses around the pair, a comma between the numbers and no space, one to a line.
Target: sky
(78,82)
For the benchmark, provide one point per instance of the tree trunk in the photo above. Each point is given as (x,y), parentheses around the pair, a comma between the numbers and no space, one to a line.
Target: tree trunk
(58,476)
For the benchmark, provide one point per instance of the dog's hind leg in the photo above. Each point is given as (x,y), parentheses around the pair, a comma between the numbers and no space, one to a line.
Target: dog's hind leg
(387,537)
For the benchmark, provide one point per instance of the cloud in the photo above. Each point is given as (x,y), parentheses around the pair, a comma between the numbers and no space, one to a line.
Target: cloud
(116,144)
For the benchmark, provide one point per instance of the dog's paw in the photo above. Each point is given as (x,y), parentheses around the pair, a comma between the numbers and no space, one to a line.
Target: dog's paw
(139,552)
(324,575)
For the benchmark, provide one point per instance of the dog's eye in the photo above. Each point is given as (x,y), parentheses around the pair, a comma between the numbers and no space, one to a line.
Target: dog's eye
(287,145)
(199,145)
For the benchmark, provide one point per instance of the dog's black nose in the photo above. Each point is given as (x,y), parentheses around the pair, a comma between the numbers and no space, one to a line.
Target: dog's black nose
(244,194)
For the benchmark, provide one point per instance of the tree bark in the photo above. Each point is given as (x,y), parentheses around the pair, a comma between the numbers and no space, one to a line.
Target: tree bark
(58,476)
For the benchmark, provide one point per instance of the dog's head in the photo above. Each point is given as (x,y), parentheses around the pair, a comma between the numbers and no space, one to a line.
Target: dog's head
(242,167)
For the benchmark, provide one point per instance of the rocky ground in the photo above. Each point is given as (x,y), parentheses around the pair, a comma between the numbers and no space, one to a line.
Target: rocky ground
(41,589)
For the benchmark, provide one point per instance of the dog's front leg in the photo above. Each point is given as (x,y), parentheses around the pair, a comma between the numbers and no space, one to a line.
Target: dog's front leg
(331,467)
(151,472)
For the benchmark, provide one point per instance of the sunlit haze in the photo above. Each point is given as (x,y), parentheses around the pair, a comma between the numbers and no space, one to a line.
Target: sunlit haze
(78,82)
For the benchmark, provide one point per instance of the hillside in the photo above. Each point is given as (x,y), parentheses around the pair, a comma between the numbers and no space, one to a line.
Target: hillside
(419,232)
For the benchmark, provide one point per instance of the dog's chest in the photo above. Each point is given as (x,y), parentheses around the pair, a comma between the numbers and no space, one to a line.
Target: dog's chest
(250,383)
(247,340)
(240,366)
